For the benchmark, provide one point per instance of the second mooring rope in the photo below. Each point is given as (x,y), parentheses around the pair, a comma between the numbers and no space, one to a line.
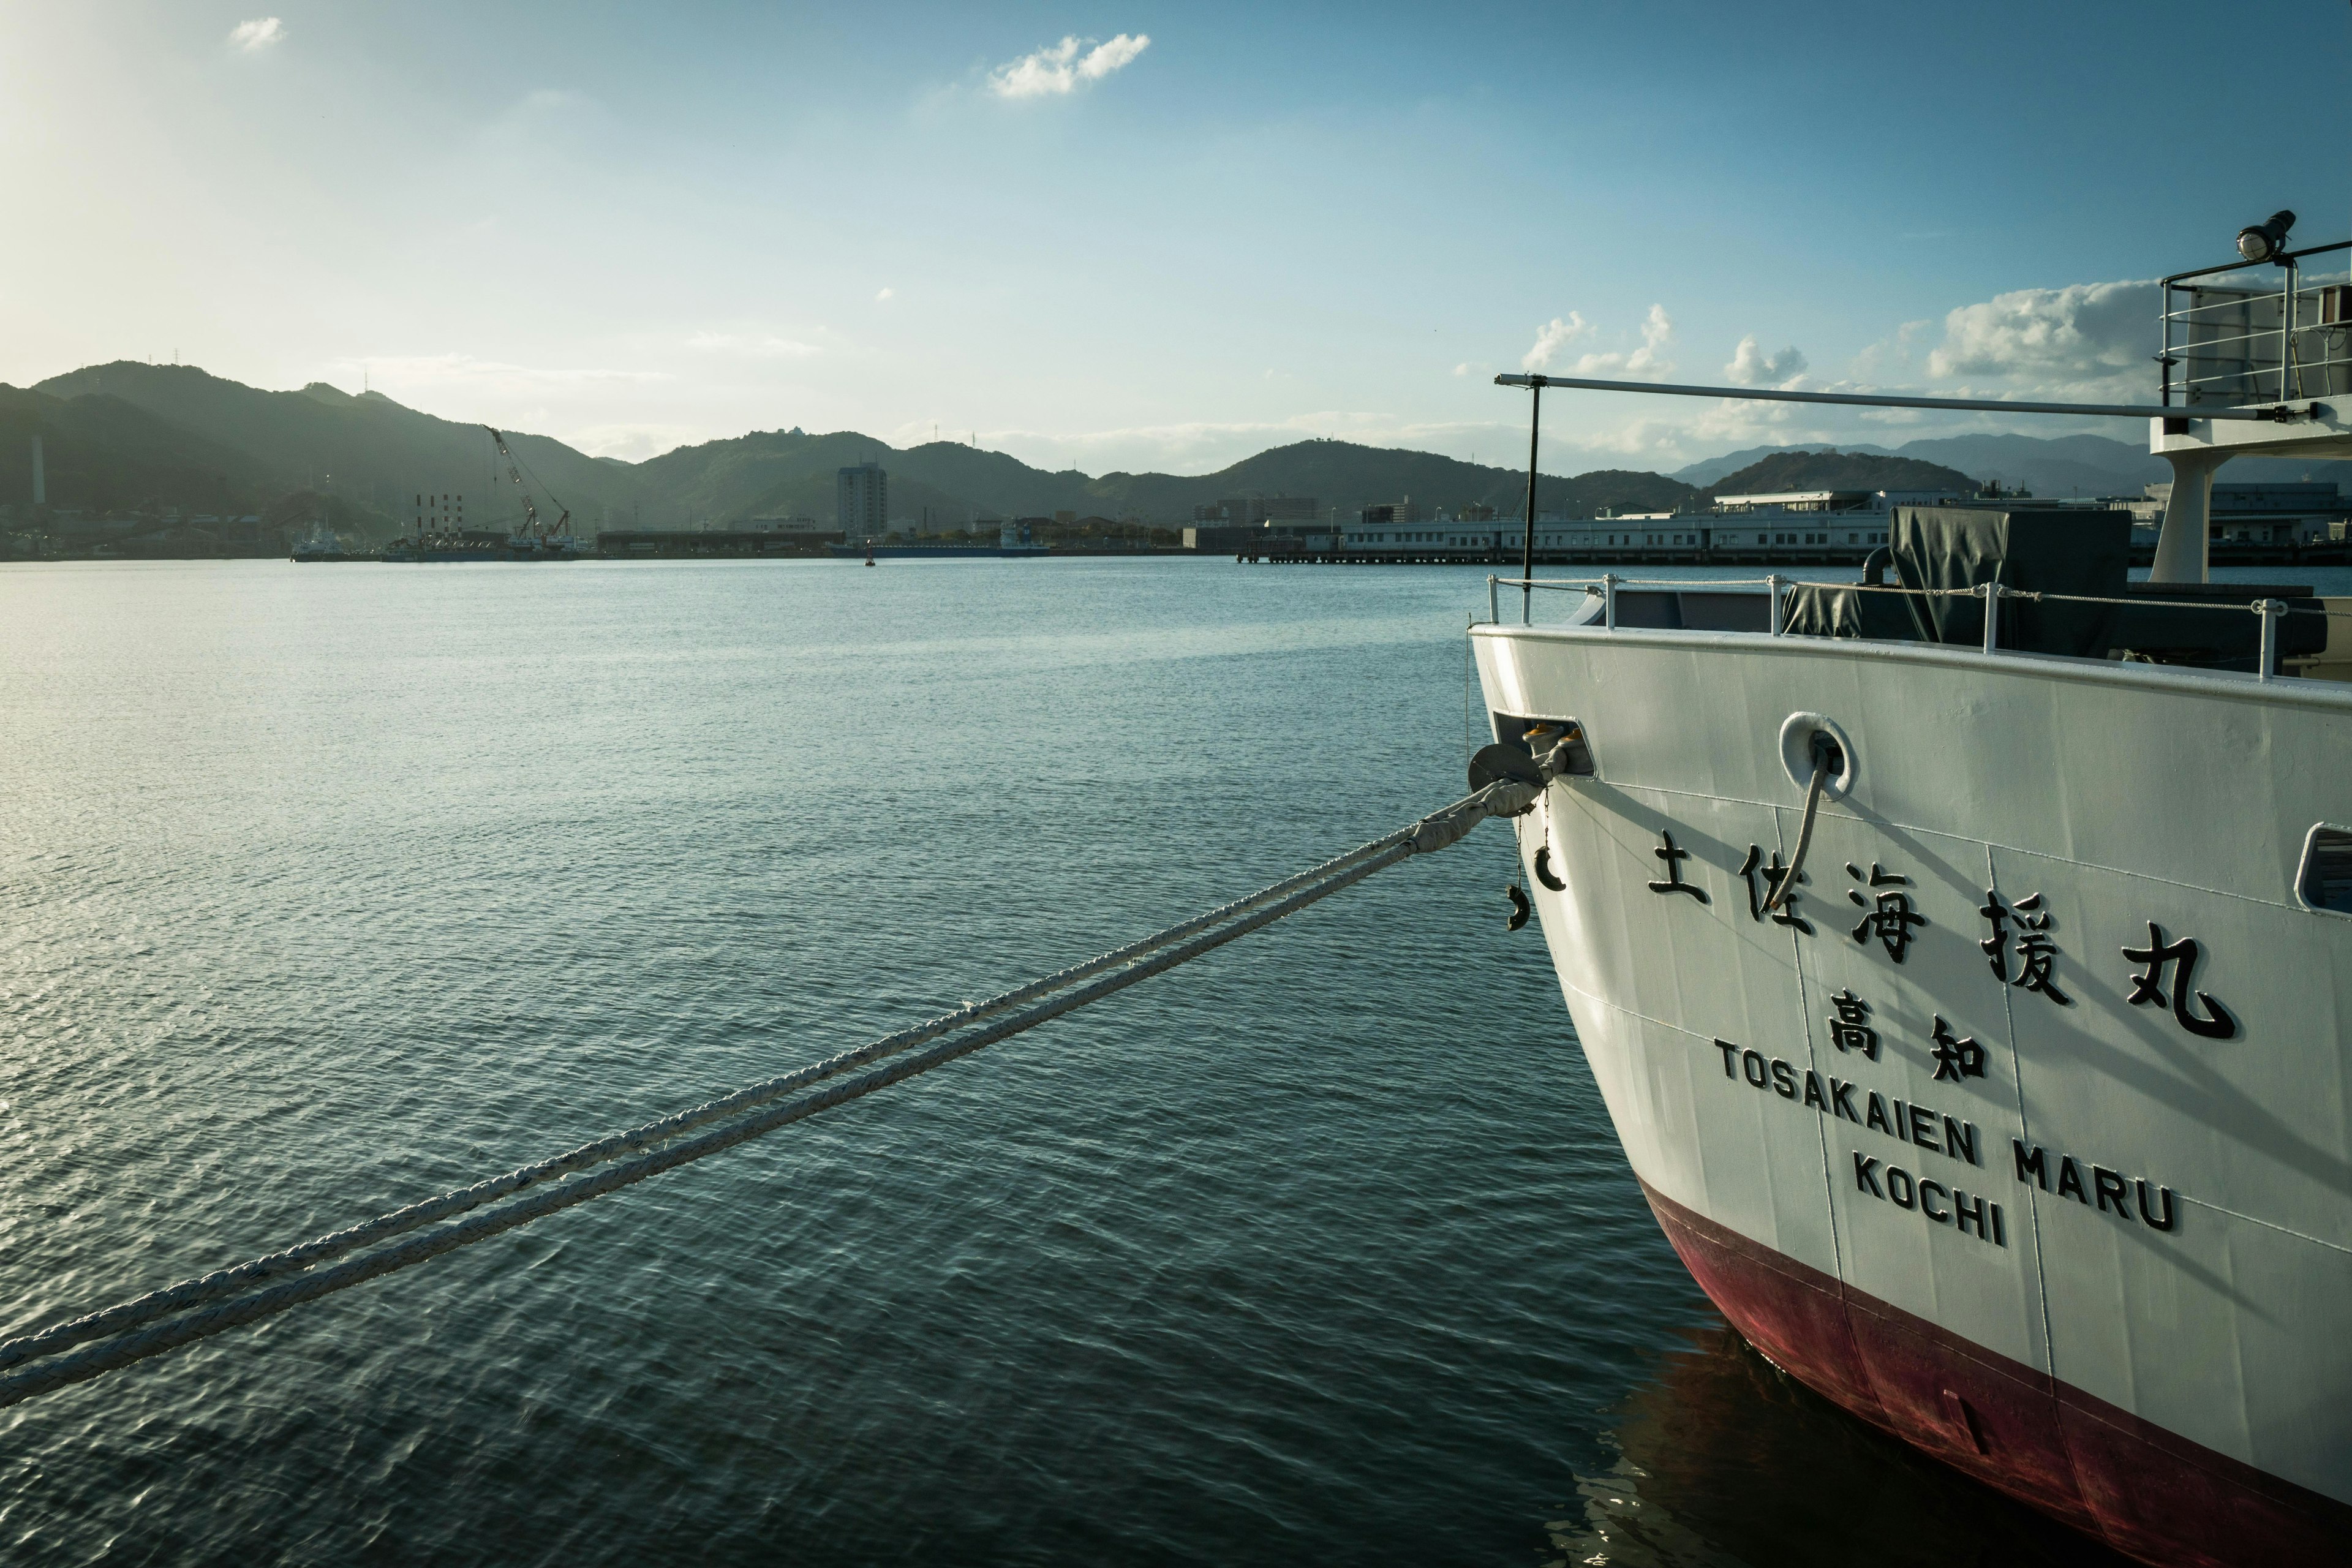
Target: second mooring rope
(164,1319)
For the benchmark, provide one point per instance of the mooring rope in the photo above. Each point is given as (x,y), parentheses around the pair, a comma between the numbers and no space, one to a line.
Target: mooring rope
(1788,882)
(164,1319)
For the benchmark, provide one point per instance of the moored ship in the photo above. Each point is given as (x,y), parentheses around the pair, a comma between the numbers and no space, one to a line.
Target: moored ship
(1961,959)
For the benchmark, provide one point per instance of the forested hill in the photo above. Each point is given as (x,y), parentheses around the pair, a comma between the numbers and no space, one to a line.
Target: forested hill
(136,435)
(1784,472)
(142,436)
(1348,476)
(367,449)
(787,471)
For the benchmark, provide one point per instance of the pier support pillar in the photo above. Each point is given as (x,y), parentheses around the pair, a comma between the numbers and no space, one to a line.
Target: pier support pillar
(2181,548)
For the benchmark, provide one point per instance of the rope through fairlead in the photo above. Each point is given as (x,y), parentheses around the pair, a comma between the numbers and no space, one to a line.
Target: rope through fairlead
(165,1319)
(1788,882)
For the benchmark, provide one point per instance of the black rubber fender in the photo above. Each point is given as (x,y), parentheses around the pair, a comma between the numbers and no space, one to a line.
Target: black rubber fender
(1544,871)
(1520,908)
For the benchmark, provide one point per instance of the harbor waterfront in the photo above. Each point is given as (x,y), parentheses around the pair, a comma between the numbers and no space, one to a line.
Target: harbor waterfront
(1323,1247)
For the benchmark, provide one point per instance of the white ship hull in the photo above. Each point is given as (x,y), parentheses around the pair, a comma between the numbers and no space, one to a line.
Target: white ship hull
(2111,1273)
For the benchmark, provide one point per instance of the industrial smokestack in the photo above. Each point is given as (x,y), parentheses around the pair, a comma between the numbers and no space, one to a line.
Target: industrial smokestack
(41,479)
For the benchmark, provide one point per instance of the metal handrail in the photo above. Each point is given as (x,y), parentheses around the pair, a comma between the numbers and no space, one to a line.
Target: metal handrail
(2236,370)
(1877,400)
(2283,255)
(2271,611)
(1592,585)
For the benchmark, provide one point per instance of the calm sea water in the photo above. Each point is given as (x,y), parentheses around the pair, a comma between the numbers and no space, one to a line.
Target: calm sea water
(326,888)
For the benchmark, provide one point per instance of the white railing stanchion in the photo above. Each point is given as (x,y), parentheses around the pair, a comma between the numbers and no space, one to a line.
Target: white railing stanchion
(1772,594)
(1992,617)
(1609,601)
(1494,600)
(2267,659)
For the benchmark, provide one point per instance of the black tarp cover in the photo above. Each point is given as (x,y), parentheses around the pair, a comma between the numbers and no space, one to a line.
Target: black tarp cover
(1826,610)
(2047,552)
(2056,550)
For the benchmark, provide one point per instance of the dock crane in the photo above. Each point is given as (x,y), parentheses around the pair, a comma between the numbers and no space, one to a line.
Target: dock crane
(531,524)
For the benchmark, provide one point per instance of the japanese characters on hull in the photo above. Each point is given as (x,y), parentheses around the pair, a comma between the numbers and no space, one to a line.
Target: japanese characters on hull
(2186,1163)
(2114,1054)
(1913,1031)
(1651,977)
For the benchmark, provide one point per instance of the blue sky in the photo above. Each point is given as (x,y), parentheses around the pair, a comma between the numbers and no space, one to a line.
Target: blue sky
(636,225)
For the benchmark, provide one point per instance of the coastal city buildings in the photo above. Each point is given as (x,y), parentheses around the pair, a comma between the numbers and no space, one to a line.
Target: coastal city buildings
(862,502)
(2299,513)
(1392,514)
(1248,511)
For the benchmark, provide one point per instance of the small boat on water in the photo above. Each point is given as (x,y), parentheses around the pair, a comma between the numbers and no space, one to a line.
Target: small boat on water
(1963,958)
(320,543)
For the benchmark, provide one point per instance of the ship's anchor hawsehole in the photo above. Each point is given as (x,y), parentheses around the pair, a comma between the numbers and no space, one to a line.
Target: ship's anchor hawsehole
(1507,762)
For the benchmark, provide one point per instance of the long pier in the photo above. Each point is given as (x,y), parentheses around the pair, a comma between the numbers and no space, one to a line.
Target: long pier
(2222,553)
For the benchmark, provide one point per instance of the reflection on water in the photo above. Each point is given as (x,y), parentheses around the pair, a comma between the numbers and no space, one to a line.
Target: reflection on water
(323,889)
(1725,1461)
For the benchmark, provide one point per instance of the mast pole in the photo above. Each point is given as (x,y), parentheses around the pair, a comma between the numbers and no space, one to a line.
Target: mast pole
(1527,550)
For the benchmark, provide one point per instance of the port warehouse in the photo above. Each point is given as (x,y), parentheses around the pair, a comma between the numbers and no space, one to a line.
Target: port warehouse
(2259,521)
(1831,526)
(1808,525)
(2252,523)
(627,543)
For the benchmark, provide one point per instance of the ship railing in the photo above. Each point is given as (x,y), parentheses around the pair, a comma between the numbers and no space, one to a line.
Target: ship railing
(2242,342)
(1606,587)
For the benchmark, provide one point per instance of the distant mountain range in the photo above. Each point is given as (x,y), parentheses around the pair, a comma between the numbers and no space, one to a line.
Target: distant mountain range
(2053,466)
(129,436)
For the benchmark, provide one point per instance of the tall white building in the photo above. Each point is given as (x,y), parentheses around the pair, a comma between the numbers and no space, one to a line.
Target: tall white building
(862,501)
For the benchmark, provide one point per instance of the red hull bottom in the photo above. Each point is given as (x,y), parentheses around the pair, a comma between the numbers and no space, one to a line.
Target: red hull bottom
(2146,1491)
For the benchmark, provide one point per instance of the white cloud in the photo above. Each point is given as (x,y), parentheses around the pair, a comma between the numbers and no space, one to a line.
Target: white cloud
(1750,366)
(1657,331)
(752,345)
(1649,360)
(885,294)
(2081,336)
(1552,337)
(1890,354)
(257,34)
(1059,68)
(1105,59)
(2087,341)
(1462,368)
